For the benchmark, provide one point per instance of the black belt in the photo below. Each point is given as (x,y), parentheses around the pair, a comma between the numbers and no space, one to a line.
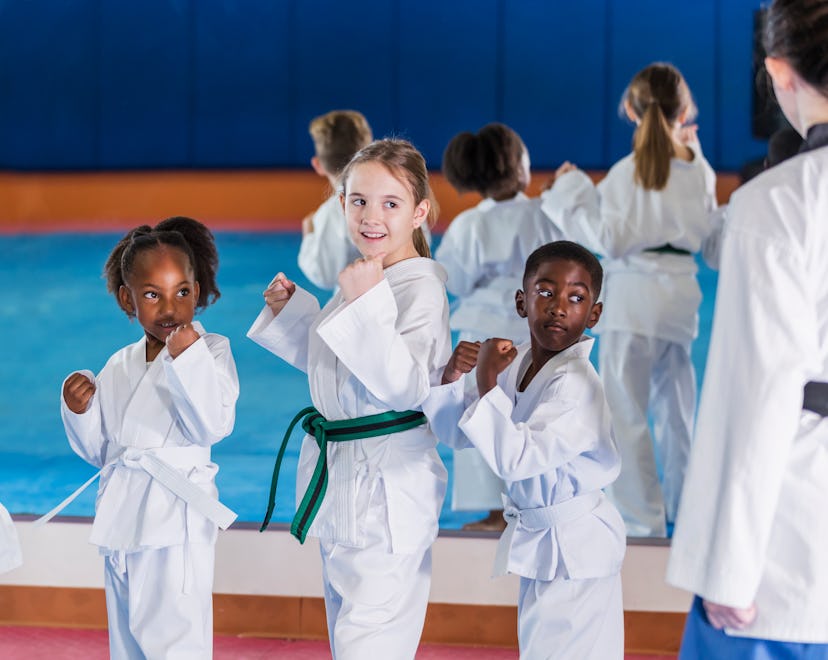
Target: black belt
(816,398)
(668,249)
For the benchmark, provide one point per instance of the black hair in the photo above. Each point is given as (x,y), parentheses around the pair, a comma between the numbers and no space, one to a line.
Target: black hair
(783,144)
(797,31)
(566,251)
(190,236)
(489,162)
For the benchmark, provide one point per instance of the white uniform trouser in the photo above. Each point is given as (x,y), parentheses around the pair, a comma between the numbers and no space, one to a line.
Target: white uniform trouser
(640,375)
(159,603)
(375,601)
(581,619)
(475,486)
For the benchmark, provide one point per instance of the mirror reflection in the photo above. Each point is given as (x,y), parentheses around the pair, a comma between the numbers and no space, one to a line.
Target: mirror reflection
(658,294)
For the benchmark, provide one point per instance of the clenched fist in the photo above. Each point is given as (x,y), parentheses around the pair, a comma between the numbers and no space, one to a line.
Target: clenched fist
(278,292)
(77,392)
(361,276)
(495,355)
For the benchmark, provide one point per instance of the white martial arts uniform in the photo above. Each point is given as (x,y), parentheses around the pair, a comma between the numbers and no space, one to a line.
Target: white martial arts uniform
(553,446)
(10,555)
(326,250)
(752,525)
(150,428)
(650,318)
(484,251)
(380,513)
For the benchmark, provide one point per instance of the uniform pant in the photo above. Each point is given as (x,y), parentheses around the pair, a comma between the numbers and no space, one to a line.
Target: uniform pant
(643,376)
(375,601)
(159,603)
(701,641)
(581,619)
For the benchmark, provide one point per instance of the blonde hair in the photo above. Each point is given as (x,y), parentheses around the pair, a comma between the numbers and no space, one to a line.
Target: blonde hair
(405,163)
(658,96)
(337,136)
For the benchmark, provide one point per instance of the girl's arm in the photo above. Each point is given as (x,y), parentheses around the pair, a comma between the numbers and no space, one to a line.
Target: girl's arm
(572,204)
(559,429)
(84,428)
(204,387)
(391,351)
(285,333)
(460,254)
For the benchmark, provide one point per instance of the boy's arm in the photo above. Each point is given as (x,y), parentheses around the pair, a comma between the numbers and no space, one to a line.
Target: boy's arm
(558,430)
(204,387)
(449,396)
(323,252)
(84,430)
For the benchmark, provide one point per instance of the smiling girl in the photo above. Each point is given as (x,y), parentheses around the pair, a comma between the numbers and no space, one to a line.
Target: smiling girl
(370,482)
(148,421)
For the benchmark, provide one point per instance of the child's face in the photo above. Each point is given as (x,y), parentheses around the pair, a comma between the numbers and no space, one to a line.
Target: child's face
(381,213)
(161,292)
(559,305)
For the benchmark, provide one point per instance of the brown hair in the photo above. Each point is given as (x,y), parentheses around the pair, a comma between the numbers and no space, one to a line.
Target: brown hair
(797,31)
(190,236)
(407,164)
(658,96)
(489,162)
(337,136)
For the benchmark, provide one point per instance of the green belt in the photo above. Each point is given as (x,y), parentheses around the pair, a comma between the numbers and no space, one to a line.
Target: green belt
(667,249)
(325,431)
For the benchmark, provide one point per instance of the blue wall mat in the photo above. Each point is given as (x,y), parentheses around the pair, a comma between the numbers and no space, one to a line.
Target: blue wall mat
(644,31)
(108,84)
(48,84)
(345,57)
(448,80)
(735,84)
(242,119)
(554,71)
(146,83)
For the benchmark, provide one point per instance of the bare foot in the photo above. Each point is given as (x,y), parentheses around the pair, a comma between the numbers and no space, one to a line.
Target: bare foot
(494,522)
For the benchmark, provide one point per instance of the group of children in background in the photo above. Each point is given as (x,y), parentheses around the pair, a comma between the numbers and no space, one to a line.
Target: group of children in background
(536,431)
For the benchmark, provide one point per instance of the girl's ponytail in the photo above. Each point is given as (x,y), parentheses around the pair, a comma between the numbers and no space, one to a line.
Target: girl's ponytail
(658,97)
(653,149)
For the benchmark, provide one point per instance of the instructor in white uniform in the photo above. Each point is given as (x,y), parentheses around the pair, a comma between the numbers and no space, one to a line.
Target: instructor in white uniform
(752,527)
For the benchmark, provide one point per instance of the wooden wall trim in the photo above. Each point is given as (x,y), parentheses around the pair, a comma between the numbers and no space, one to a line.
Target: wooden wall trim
(304,618)
(253,200)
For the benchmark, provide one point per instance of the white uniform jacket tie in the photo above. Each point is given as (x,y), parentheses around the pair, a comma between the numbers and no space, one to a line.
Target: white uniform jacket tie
(161,464)
(539,519)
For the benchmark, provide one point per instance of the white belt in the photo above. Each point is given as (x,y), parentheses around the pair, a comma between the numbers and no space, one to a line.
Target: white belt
(158,463)
(539,519)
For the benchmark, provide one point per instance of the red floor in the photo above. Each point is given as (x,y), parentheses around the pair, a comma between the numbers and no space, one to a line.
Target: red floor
(19,643)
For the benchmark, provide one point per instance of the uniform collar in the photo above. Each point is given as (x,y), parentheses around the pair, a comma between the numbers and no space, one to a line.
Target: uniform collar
(817,137)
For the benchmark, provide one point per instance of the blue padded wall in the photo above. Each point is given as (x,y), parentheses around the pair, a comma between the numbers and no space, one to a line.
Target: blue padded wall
(110,84)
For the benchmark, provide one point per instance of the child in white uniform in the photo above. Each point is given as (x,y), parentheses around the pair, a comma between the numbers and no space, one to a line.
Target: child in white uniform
(543,425)
(10,555)
(368,355)
(483,251)
(648,217)
(326,247)
(752,530)
(148,421)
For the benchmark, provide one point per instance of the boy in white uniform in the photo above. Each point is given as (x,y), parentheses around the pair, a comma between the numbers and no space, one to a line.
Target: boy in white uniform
(326,247)
(542,424)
